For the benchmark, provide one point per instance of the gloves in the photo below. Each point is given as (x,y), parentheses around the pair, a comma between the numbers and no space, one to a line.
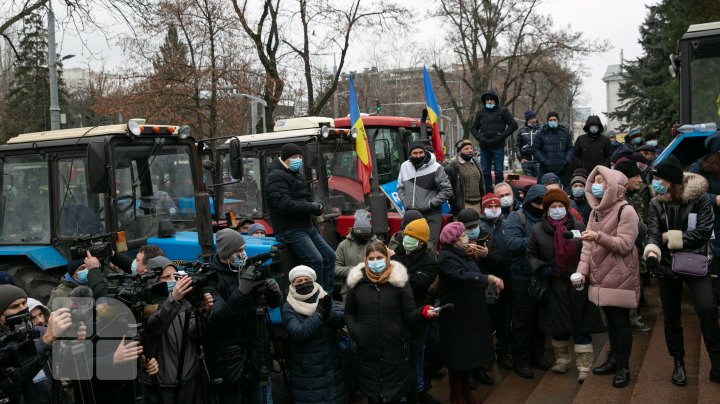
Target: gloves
(317,208)
(652,264)
(324,307)
(273,286)
(246,283)
(547,272)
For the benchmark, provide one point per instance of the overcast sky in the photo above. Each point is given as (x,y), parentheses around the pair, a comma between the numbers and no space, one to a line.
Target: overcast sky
(614,20)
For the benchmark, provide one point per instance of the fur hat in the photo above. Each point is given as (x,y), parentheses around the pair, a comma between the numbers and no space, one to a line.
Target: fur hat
(555,195)
(302,270)
(418,229)
(451,233)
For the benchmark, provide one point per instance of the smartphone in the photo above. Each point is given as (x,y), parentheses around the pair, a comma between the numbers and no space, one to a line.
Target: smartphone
(513,177)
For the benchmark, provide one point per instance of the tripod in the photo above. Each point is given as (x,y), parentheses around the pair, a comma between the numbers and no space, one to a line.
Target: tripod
(207,385)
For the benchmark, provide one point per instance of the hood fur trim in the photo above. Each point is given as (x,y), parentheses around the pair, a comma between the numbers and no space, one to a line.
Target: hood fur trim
(398,277)
(694,185)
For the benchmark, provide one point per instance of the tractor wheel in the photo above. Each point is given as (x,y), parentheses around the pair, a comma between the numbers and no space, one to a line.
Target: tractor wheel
(34,281)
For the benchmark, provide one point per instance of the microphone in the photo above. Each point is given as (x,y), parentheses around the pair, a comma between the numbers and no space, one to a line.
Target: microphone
(572,234)
(447,306)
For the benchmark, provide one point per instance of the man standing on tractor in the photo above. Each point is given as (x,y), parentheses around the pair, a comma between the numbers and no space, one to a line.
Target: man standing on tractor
(291,206)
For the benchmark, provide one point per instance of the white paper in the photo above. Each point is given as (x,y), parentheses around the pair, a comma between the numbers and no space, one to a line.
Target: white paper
(692,221)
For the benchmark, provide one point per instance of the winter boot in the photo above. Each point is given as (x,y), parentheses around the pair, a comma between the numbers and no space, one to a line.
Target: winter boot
(467,394)
(562,356)
(622,373)
(679,377)
(608,367)
(456,386)
(583,360)
(715,367)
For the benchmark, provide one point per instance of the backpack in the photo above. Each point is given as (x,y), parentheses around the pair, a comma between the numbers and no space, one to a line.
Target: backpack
(642,233)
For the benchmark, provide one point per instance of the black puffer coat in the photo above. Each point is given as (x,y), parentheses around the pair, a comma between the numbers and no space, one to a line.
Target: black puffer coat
(316,374)
(554,150)
(592,149)
(379,319)
(663,212)
(491,127)
(422,269)
(568,312)
(525,141)
(464,330)
(288,199)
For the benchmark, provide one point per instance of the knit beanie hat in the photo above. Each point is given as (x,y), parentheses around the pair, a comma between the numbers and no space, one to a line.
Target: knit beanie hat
(8,294)
(72,266)
(418,229)
(712,143)
(228,242)
(579,176)
(469,217)
(362,222)
(628,168)
(639,158)
(459,145)
(6,279)
(416,145)
(451,233)
(529,114)
(555,195)
(551,114)
(302,270)
(490,199)
(409,216)
(621,152)
(256,227)
(288,150)
(669,169)
(159,262)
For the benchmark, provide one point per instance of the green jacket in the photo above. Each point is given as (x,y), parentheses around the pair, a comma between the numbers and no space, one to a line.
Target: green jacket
(61,290)
(348,254)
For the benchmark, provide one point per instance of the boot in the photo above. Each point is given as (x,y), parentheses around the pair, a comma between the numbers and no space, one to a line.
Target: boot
(678,376)
(622,373)
(608,367)
(562,356)
(583,360)
(715,367)
(523,369)
(504,361)
(456,386)
(467,394)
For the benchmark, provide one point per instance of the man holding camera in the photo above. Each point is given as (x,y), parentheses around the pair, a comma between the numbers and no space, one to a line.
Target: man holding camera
(233,322)
(291,206)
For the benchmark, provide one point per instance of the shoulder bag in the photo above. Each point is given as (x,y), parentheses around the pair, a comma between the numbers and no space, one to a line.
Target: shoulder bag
(687,263)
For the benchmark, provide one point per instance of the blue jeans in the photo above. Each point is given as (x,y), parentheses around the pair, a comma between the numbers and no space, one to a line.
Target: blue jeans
(312,251)
(531,168)
(492,160)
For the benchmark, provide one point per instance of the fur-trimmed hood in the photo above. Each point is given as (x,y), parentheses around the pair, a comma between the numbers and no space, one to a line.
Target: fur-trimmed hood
(694,185)
(398,277)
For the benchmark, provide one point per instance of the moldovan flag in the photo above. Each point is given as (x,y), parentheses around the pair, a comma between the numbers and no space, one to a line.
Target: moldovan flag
(433,111)
(362,147)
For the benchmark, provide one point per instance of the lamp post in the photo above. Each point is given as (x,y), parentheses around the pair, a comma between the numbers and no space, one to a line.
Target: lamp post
(254,100)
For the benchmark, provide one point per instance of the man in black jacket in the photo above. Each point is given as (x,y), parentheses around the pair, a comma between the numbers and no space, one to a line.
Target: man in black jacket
(592,148)
(466,179)
(524,144)
(493,124)
(554,148)
(291,206)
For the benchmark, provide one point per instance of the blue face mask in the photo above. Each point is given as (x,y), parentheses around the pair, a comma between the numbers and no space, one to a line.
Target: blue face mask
(489,106)
(578,192)
(377,266)
(295,165)
(598,191)
(638,140)
(658,187)
(170,285)
(613,142)
(133,267)
(553,124)
(594,129)
(82,276)
(473,234)
(240,259)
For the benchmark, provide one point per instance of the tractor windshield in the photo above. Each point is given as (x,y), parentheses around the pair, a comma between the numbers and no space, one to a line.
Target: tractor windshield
(704,86)
(25,201)
(153,183)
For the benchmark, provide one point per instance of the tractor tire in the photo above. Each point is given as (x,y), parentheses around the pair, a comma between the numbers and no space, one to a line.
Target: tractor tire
(34,281)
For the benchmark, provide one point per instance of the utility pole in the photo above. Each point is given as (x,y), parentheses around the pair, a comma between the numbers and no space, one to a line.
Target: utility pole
(52,64)
(335,93)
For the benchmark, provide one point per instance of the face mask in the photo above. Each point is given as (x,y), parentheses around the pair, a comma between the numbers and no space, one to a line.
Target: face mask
(133,267)
(492,213)
(305,288)
(410,244)
(240,259)
(613,142)
(362,238)
(473,234)
(557,213)
(578,192)
(594,129)
(377,266)
(506,201)
(466,157)
(658,187)
(638,140)
(82,276)
(597,190)
(489,106)
(553,125)
(295,165)
(417,161)
(170,285)
(652,143)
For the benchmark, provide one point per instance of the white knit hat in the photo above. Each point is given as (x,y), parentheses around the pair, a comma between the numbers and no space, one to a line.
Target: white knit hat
(302,270)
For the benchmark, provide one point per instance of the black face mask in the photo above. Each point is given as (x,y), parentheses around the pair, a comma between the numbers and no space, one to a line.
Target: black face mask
(305,288)
(537,212)
(417,161)
(362,238)
(466,157)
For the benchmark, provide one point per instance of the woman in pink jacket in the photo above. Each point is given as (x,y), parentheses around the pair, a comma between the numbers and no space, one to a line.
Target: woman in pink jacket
(609,264)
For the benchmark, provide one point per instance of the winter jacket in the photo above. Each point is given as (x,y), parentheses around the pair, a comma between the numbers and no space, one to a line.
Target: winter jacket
(422,270)
(592,149)
(518,228)
(525,141)
(611,263)
(491,127)
(554,150)
(316,374)
(348,254)
(712,193)
(288,199)
(62,290)
(426,188)
(457,198)
(379,319)
(582,207)
(464,330)
(24,376)
(664,212)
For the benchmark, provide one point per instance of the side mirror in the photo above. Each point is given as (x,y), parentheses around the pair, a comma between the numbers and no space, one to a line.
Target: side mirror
(98,180)
(236,163)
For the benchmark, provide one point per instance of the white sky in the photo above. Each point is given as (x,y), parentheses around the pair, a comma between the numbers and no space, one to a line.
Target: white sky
(614,20)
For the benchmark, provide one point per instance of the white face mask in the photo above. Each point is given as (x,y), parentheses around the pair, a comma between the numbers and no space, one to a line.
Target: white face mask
(492,213)
(557,213)
(506,201)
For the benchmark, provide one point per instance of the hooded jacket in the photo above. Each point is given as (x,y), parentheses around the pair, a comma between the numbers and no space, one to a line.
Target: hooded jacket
(592,149)
(554,150)
(422,270)
(680,237)
(611,262)
(33,303)
(518,228)
(426,188)
(457,198)
(288,199)
(492,126)
(348,254)
(525,141)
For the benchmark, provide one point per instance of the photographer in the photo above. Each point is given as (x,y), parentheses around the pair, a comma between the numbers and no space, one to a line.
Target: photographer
(233,321)
(167,327)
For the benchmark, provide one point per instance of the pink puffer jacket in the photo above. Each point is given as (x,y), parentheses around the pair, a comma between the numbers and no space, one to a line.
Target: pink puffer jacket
(611,262)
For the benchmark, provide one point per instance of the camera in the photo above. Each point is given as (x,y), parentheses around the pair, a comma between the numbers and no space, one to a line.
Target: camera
(256,270)
(17,348)
(99,247)
(202,278)
(135,290)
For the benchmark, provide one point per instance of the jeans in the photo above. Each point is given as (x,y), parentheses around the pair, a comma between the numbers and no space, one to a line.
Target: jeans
(531,168)
(619,331)
(312,251)
(492,160)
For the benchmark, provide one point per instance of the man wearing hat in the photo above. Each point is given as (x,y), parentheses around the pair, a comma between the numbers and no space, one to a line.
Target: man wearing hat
(493,124)
(466,178)
(351,251)
(423,185)
(634,139)
(257,230)
(292,206)
(244,224)
(648,152)
(651,139)
(592,148)
(554,148)
(621,153)
(577,193)
(77,274)
(612,137)
(524,144)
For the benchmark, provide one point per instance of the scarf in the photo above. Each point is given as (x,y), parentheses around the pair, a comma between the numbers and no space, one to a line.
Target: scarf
(305,304)
(381,278)
(566,253)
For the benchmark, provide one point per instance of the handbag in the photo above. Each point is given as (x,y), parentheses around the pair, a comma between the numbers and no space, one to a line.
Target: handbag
(690,264)
(538,290)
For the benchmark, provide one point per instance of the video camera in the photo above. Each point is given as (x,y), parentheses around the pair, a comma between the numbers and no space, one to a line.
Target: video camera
(135,290)
(255,270)
(17,348)
(202,278)
(100,247)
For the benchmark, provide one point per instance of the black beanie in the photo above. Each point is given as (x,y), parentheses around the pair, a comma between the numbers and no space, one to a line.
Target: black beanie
(411,215)
(289,150)
(551,114)
(628,168)
(72,266)
(416,145)
(669,169)
(8,294)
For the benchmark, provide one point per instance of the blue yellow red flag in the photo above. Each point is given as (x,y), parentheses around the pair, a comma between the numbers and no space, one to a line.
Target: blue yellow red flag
(362,146)
(433,111)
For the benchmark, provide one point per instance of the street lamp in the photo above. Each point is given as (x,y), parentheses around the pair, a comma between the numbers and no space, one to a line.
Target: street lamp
(253,107)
